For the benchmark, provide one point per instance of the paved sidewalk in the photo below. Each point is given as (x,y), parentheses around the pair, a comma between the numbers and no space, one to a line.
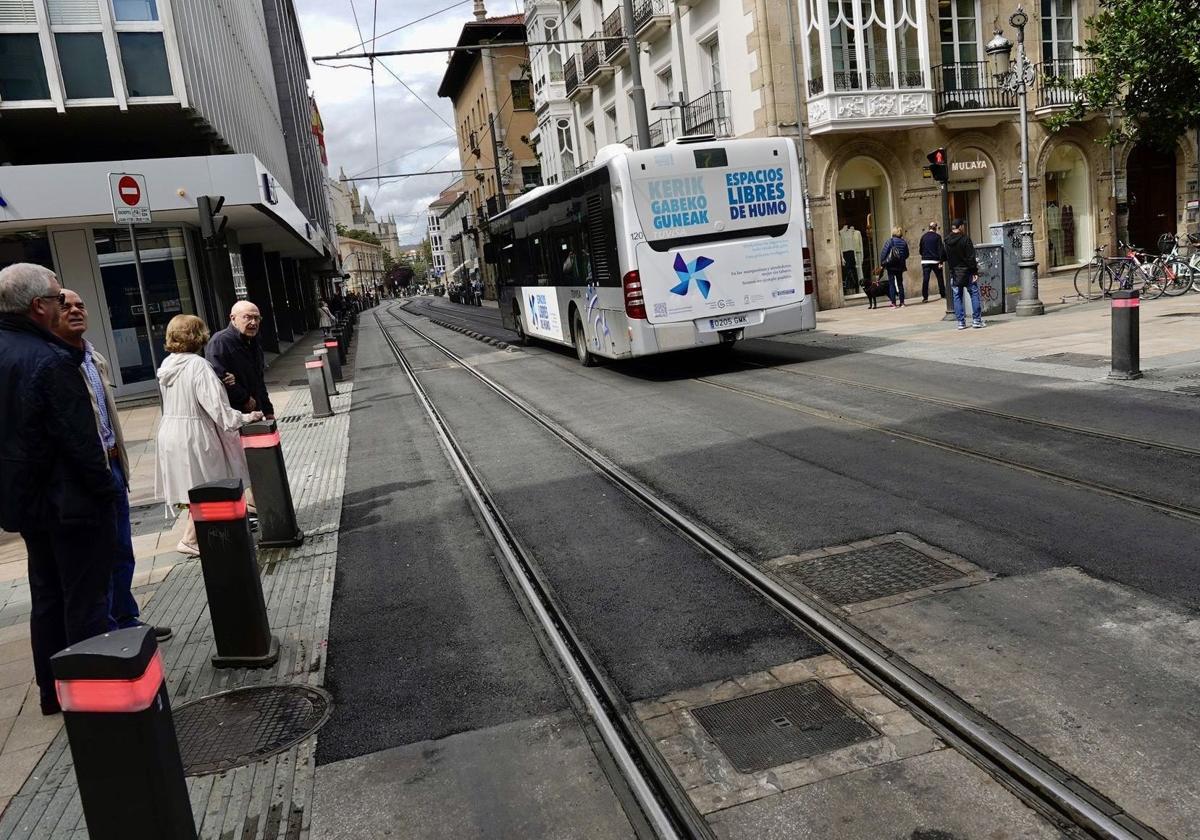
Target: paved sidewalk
(1071,341)
(25,735)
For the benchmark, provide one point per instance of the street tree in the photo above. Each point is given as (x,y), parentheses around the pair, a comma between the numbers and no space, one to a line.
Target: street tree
(1146,56)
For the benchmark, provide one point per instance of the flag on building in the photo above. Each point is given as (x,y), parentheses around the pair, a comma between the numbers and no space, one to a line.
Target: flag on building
(318,129)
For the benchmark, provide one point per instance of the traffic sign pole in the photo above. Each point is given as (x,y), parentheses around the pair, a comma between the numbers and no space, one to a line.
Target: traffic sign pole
(141,281)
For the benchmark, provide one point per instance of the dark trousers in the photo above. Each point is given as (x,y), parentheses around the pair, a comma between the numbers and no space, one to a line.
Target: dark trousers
(926,268)
(895,285)
(122,606)
(70,567)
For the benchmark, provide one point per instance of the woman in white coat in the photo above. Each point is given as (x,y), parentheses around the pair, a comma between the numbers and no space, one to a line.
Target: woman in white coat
(198,437)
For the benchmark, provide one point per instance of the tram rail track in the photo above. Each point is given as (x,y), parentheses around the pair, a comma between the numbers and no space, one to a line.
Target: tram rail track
(1055,792)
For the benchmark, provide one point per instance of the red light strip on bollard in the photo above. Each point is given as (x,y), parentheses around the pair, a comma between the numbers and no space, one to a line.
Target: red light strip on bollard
(331,344)
(1125,303)
(313,365)
(112,696)
(260,441)
(219,511)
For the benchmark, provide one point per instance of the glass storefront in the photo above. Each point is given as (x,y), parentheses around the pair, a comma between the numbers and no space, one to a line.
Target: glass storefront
(168,293)
(26,246)
(864,220)
(1068,212)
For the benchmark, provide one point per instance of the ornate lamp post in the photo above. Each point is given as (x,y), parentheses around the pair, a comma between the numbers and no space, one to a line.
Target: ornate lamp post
(1017,77)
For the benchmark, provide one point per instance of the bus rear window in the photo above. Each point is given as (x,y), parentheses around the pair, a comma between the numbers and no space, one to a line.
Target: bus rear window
(710,158)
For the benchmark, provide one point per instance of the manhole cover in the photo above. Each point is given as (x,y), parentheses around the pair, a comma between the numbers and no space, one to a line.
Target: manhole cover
(780,726)
(1085,360)
(237,727)
(869,573)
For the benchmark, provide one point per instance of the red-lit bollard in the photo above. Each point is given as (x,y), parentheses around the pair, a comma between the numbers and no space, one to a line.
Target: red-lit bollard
(122,737)
(272,492)
(1126,336)
(323,355)
(335,358)
(316,388)
(230,565)
(341,344)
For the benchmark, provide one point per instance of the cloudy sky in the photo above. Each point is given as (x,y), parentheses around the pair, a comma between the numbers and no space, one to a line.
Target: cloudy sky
(412,138)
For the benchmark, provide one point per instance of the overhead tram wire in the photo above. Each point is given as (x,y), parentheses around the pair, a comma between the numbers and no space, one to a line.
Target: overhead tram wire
(415,94)
(374,109)
(494,45)
(413,152)
(406,25)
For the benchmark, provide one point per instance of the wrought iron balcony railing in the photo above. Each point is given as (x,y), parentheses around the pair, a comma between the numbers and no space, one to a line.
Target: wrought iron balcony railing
(644,11)
(968,86)
(614,34)
(593,56)
(1055,80)
(571,74)
(709,114)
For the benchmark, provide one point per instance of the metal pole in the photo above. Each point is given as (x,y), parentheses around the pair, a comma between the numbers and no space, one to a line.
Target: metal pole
(947,277)
(640,115)
(1112,193)
(1029,303)
(141,281)
(800,152)
(500,202)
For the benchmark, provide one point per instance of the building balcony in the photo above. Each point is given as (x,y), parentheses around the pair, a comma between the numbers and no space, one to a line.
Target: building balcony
(572,84)
(615,43)
(707,114)
(869,100)
(967,94)
(1055,80)
(651,19)
(595,64)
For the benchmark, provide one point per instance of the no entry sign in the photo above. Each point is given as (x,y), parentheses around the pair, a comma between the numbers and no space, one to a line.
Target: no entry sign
(131,204)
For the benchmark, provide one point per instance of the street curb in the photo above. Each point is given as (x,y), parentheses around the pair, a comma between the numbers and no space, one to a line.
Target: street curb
(486,339)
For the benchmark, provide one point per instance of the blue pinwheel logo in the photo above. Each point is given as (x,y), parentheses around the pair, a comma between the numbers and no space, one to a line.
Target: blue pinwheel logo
(689,271)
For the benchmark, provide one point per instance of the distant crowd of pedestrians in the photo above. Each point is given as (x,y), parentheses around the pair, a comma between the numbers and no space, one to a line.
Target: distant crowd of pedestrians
(64,470)
(956,253)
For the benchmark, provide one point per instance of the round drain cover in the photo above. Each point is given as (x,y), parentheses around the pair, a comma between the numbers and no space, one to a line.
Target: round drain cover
(237,727)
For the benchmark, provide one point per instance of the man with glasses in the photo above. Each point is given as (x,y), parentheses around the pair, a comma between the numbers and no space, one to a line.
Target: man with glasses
(55,486)
(123,607)
(235,350)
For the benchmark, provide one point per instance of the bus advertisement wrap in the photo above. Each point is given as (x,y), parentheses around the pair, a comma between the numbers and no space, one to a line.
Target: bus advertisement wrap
(541,312)
(736,198)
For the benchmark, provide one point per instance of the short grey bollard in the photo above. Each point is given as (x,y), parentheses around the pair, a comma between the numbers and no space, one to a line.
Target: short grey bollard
(331,354)
(316,388)
(1126,335)
(272,491)
(323,355)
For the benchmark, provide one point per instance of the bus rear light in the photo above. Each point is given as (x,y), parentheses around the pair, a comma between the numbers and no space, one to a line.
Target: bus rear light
(808,272)
(635,304)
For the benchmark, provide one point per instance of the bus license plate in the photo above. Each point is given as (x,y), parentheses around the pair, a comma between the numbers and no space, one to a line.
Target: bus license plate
(729,322)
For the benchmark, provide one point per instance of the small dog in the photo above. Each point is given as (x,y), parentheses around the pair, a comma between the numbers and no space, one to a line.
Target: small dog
(874,287)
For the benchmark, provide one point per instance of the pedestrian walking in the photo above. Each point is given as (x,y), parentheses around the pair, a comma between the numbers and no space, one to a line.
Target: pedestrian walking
(198,438)
(964,274)
(327,320)
(236,350)
(933,254)
(55,486)
(97,377)
(894,259)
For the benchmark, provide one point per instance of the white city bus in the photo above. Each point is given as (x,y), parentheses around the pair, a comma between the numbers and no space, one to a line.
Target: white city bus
(698,243)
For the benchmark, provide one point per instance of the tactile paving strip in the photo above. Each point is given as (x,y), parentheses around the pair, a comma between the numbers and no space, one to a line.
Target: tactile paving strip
(781,726)
(227,730)
(865,574)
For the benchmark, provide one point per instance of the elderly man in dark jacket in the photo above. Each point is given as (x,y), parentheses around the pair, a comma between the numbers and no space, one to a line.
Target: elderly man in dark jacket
(55,485)
(235,350)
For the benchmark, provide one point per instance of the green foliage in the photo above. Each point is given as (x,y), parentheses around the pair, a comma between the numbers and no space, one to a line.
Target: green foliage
(355,233)
(1147,65)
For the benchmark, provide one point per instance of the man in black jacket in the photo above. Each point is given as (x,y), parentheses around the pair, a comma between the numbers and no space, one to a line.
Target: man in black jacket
(236,350)
(964,274)
(55,484)
(933,254)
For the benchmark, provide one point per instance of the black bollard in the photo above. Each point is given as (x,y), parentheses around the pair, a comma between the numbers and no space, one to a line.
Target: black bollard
(1126,335)
(341,345)
(122,737)
(322,354)
(316,388)
(331,354)
(272,492)
(230,566)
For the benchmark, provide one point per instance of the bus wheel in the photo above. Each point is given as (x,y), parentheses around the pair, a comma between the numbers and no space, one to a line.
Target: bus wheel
(522,339)
(581,349)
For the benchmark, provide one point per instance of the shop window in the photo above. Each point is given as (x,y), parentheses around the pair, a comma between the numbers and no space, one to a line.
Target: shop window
(864,220)
(168,293)
(22,71)
(135,10)
(84,65)
(144,59)
(25,246)
(1067,213)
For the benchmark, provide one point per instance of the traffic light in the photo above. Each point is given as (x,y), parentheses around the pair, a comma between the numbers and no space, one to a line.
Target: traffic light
(939,165)
(212,225)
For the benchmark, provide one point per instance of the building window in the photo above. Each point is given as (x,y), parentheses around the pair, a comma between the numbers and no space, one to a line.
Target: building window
(869,44)
(22,71)
(31,247)
(1058,30)
(665,85)
(144,58)
(566,147)
(531,176)
(554,52)
(712,63)
(589,138)
(1068,207)
(84,65)
(864,217)
(610,125)
(958,29)
(521,100)
(135,10)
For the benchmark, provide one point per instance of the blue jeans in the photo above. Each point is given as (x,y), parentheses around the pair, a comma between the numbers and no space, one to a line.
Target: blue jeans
(976,304)
(122,606)
(895,285)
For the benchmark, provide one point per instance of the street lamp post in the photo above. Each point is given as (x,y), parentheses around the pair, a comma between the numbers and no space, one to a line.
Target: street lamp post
(1017,77)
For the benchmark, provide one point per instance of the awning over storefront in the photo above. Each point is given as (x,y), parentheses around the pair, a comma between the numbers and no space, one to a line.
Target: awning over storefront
(258,208)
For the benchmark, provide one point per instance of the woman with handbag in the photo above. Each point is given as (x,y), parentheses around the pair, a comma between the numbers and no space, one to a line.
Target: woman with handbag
(894,259)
